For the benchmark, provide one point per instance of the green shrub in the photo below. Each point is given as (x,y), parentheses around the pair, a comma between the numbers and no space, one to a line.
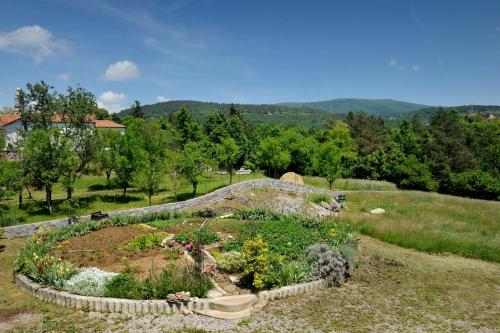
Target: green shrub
(317,198)
(256,215)
(1,232)
(69,207)
(205,212)
(258,262)
(174,278)
(124,285)
(230,262)
(145,241)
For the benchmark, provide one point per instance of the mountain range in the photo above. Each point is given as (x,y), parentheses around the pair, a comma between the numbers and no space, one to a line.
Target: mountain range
(310,114)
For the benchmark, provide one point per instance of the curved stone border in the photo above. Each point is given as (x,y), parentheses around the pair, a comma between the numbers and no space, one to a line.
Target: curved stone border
(106,304)
(24,230)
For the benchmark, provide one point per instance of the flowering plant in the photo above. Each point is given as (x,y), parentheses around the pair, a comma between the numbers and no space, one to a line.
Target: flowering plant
(180,248)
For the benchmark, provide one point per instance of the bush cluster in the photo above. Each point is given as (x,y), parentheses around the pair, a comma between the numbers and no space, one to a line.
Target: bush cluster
(88,281)
(145,241)
(327,263)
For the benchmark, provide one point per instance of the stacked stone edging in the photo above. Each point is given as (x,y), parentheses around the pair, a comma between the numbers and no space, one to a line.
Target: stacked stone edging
(24,230)
(106,304)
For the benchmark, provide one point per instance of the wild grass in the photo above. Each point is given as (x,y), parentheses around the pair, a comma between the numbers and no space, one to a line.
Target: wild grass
(350,184)
(429,222)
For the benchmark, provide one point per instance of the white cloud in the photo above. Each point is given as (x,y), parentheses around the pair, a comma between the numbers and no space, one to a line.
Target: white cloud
(392,62)
(64,76)
(111,101)
(415,68)
(121,70)
(32,41)
(401,67)
(162,99)
(497,29)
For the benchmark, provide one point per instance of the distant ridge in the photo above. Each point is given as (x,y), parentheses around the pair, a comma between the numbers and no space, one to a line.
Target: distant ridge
(308,114)
(380,107)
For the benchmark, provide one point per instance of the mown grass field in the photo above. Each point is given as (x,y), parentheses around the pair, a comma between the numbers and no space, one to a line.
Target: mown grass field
(429,222)
(93,195)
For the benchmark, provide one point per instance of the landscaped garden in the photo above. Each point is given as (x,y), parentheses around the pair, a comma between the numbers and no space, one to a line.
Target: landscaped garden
(158,255)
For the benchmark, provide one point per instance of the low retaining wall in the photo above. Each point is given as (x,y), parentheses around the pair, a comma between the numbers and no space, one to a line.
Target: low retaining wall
(24,230)
(106,304)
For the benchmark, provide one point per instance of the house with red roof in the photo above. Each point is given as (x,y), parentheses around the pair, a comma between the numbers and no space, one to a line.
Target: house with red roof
(11,124)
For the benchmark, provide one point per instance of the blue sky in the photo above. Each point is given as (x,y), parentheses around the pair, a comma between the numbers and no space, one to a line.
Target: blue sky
(430,52)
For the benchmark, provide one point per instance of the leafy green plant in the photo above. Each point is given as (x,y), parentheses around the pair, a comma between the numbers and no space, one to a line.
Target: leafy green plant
(124,285)
(145,241)
(230,262)
(209,237)
(317,198)
(284,274)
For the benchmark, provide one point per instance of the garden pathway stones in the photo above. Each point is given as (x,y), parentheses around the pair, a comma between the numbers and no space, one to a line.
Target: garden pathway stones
(230,307)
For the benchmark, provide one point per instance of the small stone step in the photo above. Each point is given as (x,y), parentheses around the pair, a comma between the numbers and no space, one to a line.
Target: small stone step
(225,315)
(233,303)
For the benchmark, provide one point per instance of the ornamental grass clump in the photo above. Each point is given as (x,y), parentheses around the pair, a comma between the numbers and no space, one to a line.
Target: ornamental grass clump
(90,281)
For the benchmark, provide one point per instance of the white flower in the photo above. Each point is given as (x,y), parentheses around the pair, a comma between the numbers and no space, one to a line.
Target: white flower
(89,281)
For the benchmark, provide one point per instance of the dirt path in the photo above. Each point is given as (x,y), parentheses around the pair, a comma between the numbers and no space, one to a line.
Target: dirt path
(394,289)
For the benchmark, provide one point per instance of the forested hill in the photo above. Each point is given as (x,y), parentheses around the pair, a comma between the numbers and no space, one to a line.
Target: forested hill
(380,107)
(309,114)
(254,113)
(425,113)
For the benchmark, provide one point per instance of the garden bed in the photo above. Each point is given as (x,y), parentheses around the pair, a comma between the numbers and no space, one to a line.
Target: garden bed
(151,257)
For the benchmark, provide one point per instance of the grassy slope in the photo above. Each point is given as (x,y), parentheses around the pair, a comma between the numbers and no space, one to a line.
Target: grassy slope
(93,196)
(429,222)
(428,293)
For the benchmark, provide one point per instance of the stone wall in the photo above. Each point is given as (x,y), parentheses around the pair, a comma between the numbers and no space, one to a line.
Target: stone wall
(24,230)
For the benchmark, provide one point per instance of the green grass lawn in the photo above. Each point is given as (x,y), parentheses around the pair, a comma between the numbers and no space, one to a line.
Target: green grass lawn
(350,184)
(93,195)
(429,222)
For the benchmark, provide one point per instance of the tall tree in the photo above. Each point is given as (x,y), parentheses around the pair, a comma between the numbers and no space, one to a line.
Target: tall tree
(78,107)
(137,111)
(193,164)
(174,167)
(108,150)
(38,105)
(369,132)
(46,152)
(152,155)
(228,153)
(329,162)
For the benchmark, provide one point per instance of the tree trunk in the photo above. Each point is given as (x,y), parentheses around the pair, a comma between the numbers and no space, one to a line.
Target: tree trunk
(230,178)
(331,183)
(20,204)
(195,185)
(69,192)
(29,192)
(48,198)
(108,175)
(149,199)
(124,192)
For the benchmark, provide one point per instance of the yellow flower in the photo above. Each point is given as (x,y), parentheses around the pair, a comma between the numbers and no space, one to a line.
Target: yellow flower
(332,232)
